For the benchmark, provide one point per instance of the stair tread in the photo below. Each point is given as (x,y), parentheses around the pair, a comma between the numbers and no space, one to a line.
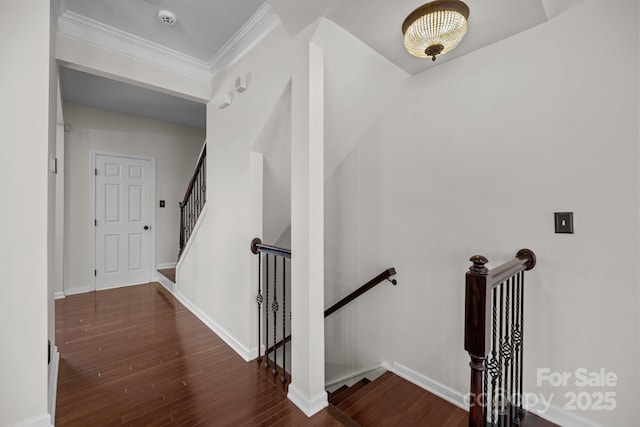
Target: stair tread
(169,273)
(369,388)
(341,417)
(337,392)
(400,402)
(344,392)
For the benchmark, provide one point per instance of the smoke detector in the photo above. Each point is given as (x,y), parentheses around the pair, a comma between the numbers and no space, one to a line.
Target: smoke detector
(167,17)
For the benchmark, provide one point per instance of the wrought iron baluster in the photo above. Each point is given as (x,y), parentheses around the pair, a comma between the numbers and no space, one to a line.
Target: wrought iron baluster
(517,335)
(522,337)
(189,223)
(501,361)
(259,302)
(513,407)
(182,240)
(284,319)
(192,200)
(200,199)
(493,366)
(266,313)
(204,181)
(274,308)
(200,194)
(507,351)
(196,195)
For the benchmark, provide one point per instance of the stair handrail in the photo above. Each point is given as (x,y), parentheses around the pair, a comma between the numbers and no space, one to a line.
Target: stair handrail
(257,246)
(385,275)
(194,208)
(480,316)
(279,344)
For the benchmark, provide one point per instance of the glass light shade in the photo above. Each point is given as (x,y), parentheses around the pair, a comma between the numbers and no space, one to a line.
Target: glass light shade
(435,28)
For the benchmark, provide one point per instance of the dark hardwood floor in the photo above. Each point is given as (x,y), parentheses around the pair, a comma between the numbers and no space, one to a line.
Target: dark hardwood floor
(136,357)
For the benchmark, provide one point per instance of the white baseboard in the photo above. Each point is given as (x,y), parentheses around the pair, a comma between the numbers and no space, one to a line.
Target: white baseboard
(125,285)
(87,289)
(39,421)
(431,385)
(59,295)
(370,373)
(553,414)
(166,265)
(76,291)
(53,381)
(562,418)
(164,281)
(245,353)
(309,407)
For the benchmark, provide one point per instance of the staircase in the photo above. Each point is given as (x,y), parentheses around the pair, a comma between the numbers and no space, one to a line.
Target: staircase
(392,401)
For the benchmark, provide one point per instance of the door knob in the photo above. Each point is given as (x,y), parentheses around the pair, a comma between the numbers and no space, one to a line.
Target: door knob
(146,227)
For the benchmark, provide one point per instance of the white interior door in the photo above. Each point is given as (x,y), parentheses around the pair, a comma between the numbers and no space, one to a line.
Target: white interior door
(123,221)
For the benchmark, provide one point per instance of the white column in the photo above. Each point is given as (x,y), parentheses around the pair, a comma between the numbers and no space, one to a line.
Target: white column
(25,109)
(256,204)
(307,234)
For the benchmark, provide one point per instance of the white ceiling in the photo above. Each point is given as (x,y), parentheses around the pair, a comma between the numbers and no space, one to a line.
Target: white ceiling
(378,23)
(202,26)
(94,91)
(206,36)
(211,34)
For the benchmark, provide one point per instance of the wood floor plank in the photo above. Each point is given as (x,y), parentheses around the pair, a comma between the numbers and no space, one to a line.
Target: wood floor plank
(136,357)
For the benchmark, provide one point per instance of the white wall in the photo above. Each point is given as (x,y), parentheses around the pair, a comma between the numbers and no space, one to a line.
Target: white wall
(463,159)
(274,143)
(216,273)
(54,244)
(25,119)
(175,149)
(473,157)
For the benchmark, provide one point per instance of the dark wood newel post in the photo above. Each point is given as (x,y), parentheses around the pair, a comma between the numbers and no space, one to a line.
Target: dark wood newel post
(477,333)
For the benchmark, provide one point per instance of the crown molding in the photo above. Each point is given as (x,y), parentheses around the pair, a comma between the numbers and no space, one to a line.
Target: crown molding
(103,36)
(57,8)
(112,39)
(253,31)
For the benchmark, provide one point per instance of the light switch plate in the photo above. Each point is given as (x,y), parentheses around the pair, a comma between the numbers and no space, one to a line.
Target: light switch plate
(564,222)
(162,203)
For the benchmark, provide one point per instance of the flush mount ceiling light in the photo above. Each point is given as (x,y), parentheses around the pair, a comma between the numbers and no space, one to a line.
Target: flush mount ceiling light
(167,17)
(435,28)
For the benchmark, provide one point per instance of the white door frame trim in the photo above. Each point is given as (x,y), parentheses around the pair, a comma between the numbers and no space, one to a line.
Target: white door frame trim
(92,211)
